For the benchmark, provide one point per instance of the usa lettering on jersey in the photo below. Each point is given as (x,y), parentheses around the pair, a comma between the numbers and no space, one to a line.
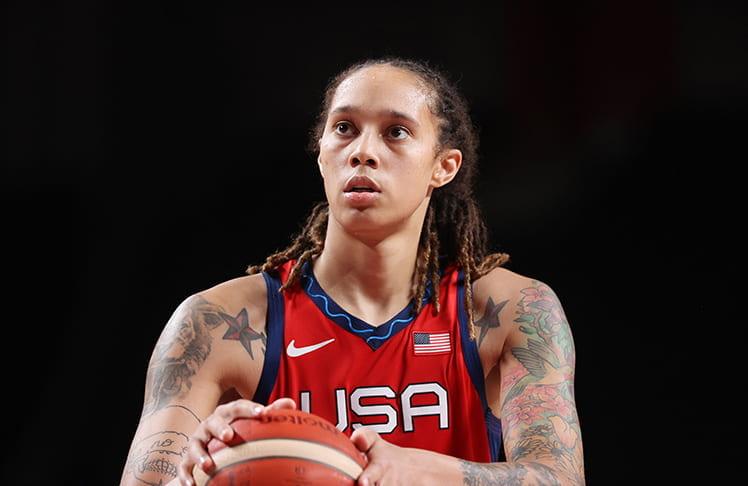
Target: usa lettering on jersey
(345,402)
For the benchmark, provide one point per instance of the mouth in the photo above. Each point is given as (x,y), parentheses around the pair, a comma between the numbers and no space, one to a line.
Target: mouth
(361,189)
(361,192)
(361,184)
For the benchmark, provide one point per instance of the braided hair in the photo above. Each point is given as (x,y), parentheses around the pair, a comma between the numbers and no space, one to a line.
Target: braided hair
(453,229)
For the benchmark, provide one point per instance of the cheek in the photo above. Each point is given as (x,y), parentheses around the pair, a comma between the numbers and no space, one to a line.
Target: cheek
(330,178)
(412,183)
(324,144)
(329,146)
(332,158)
(416,174)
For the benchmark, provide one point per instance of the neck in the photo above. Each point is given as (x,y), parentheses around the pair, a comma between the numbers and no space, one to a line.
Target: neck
(370,278)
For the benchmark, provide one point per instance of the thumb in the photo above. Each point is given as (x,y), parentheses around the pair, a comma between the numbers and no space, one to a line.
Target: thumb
(365,439)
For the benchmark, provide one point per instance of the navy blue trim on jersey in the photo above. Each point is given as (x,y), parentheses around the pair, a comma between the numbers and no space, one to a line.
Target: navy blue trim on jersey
(374,336)
(475,368)
(494,437)
(274,344)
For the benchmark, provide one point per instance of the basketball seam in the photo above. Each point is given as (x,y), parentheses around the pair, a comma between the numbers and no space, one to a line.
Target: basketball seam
(229,456)
(282,457)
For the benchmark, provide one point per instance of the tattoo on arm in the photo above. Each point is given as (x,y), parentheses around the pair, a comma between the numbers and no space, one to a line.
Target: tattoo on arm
(490,319)
(510,474)
(186,344)
(194,415)
(538,408)
(475,474)
(153,460)
(239,330)
(180,353)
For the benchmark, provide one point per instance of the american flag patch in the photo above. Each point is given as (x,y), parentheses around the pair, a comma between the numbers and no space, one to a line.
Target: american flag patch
(431,342)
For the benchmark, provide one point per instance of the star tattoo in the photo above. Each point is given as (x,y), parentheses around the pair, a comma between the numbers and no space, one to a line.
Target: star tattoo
(490,318)
(239,330)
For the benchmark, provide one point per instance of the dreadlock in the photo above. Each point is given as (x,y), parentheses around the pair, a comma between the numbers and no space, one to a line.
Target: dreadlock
(453,229)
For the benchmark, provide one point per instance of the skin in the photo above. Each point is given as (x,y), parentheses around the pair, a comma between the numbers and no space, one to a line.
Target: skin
(212,350)
(379,241)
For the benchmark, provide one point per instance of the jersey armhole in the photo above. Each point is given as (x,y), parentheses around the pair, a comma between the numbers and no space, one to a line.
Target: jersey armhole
(475,369)
(274,329)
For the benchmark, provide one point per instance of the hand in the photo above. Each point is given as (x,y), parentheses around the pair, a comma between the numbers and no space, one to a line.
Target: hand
(388,464)
(217,425)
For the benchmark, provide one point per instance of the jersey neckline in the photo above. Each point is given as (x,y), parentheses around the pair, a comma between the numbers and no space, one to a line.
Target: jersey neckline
(373,336)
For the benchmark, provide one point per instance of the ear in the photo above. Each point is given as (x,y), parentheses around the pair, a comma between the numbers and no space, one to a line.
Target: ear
(319,165)
(446,167)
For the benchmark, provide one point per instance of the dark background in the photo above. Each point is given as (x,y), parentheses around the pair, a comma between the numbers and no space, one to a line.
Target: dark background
(156,150)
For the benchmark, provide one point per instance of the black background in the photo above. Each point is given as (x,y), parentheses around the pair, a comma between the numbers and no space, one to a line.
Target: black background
(156,150)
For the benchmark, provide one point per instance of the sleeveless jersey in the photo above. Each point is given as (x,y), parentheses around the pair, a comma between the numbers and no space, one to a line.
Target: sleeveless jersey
(416,380)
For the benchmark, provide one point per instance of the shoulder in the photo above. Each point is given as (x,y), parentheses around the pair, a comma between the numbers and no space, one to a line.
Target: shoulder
(503,300)
(239,304)
(213,341)
(231,318)
(212,306)
(500,282)
(503,284)
(247,293)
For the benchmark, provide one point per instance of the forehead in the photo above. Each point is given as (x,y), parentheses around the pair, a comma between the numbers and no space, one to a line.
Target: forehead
(381,89)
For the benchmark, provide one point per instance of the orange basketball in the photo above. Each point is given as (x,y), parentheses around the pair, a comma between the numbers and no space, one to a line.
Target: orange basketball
(283,447)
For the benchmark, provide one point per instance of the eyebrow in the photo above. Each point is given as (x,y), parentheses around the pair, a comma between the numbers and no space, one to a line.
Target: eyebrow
(389,113)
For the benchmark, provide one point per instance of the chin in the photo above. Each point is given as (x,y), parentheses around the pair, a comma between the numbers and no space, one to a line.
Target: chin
(372,226)
(358,221)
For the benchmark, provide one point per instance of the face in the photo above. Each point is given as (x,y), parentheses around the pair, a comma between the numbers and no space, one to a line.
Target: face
(377,154)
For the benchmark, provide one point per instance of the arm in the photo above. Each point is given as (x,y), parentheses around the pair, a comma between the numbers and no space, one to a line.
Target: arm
(542,438)
(184,383)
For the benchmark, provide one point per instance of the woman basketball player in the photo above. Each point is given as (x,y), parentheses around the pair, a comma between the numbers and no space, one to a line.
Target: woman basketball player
(386,315)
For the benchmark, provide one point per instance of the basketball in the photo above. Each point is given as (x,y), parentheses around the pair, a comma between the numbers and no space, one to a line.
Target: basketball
(283,447)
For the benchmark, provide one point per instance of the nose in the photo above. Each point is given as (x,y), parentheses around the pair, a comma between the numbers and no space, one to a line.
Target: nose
(365,151)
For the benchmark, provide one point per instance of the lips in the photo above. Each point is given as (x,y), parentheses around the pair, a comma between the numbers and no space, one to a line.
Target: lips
(361,184)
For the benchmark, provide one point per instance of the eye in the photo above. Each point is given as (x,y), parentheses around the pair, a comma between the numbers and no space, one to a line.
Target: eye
(399,133)
(343,128)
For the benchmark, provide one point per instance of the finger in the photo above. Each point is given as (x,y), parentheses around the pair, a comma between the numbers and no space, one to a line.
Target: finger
(216,426)
(372,475)
(238,409)
(184,471)
(364,439)
(282,403)
(219,424)
(197,454)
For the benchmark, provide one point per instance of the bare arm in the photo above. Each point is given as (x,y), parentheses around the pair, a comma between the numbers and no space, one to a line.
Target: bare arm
(542,437)
(185,382)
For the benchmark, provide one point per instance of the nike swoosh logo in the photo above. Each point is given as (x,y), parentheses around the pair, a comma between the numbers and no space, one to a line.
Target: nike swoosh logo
(295,352)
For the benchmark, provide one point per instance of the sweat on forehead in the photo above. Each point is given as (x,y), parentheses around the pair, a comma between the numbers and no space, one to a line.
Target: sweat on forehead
(378,71)
(401,84)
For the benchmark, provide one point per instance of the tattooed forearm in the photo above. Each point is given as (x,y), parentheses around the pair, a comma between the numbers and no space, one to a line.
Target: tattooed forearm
(475,474)
(180,353)
(508,473)
(545,433)
(153,460)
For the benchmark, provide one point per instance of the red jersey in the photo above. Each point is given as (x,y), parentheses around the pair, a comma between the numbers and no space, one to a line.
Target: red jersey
(416,379)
